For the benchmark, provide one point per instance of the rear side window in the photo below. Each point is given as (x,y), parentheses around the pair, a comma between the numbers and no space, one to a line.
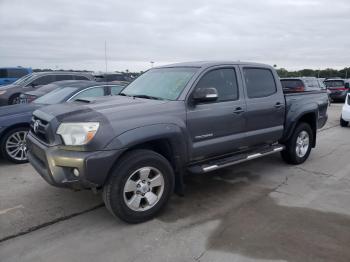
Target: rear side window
(63,77)
(111,78)
(92,92)
(225,82)
(16,72)
(115,90)
(81,78)
(3,73)
(259,82)
(43,80)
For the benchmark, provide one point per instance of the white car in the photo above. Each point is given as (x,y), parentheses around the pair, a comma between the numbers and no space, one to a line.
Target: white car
(345,114)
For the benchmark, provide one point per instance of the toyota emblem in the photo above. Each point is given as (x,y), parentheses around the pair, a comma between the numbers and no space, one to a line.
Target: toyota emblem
(36,126)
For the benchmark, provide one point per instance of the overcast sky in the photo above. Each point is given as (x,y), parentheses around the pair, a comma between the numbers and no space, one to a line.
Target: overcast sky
(70,34)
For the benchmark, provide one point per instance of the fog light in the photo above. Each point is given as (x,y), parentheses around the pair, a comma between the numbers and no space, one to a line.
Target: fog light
(76,172)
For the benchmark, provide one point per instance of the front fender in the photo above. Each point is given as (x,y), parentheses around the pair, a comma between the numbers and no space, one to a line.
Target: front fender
(171,132)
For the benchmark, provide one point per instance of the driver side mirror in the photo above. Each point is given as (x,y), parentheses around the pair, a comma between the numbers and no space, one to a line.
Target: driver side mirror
(347,85)
(208,94)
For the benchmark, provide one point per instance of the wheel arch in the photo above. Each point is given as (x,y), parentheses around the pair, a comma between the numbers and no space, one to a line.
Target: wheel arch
(309,118)
(164,139)
(12,127)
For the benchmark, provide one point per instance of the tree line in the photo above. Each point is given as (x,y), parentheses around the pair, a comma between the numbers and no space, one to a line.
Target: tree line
(324,73)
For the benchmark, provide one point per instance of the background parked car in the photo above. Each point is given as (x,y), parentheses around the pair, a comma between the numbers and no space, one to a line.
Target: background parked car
(30,96)
(110,77)
(10,94)
(300,84)
(323,87)
(339,88)
(15,119)
(9,75)
(345,114)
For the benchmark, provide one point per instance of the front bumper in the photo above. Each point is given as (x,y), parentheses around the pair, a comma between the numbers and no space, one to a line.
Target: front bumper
(56,165)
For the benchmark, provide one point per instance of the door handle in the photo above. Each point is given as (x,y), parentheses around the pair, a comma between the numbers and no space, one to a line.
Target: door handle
(278,105)
(238,110)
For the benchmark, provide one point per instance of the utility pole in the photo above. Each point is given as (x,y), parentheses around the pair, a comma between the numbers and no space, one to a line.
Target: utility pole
(106,68)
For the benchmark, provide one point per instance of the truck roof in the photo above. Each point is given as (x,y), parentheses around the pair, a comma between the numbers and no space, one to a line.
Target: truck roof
(204,64)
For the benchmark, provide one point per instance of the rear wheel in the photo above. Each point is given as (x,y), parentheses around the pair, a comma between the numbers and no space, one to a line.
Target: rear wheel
(343,123)
(13,145)
(298,147)
(139,187)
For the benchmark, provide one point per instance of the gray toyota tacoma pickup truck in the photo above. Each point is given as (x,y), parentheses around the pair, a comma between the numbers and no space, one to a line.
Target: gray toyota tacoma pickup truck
(173,120)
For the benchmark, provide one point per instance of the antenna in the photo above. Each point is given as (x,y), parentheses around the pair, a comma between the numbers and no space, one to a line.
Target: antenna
(106,57)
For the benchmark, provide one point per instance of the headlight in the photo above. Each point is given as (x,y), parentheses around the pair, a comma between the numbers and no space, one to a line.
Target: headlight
(2,92)
(77,134)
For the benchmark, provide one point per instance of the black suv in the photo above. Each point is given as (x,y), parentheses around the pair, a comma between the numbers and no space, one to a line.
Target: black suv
(10,94)
(339,88)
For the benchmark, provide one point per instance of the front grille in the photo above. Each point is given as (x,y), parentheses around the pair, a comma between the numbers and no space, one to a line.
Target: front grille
(39,129)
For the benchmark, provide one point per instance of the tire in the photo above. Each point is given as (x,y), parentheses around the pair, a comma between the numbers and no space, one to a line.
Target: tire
(290,154)
(343,123)
(15,137)
(128,171)
(15,99)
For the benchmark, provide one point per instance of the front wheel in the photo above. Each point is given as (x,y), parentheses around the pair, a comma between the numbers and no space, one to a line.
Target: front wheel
(343,123)
(298,147)
(13,145)
(139,187)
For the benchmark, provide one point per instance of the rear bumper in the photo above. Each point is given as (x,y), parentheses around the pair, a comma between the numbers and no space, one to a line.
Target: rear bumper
(56,165)
(339,95)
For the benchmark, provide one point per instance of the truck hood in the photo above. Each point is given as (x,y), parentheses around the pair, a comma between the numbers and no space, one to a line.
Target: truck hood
(120,112)
(116,115)
(111,108)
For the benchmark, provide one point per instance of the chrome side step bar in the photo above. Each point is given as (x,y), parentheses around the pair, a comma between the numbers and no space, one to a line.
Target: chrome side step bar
(244,157)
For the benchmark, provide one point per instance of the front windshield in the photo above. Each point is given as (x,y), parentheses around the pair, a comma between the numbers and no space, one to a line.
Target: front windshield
(23,79)
(161,83)
(56,96)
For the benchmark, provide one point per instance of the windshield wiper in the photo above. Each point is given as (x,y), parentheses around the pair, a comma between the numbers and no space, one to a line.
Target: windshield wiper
(148,97)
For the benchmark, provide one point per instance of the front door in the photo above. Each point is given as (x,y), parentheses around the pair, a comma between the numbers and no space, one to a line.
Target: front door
(218,127)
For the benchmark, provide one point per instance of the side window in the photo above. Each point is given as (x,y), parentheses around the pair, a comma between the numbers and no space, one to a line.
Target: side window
(225,82)
(63,77)
(3,73)
(259,82)
(42,80)
(16,73)
(81,78)
(92,92)
(115,90)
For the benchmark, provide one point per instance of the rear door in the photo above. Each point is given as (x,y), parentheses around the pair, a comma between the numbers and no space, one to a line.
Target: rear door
(217,127)
(265,105)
